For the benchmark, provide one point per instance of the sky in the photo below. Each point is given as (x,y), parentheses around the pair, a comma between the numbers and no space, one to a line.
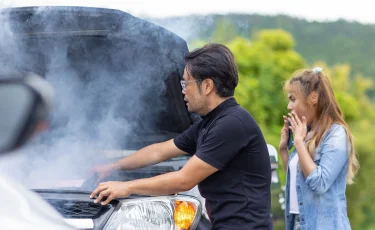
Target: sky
(320,10)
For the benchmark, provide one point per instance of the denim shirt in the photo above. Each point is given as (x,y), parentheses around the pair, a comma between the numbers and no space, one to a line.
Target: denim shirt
(321,196)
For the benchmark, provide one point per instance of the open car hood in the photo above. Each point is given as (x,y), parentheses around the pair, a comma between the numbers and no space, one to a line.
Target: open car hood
(111,71)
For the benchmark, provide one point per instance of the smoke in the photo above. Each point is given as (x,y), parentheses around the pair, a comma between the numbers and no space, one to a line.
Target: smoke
(110,73)
(189,27)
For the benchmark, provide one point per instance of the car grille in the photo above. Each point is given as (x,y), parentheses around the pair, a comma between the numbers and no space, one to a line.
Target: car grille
(77,209)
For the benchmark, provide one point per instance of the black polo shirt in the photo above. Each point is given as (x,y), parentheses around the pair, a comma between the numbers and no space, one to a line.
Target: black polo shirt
(238,195)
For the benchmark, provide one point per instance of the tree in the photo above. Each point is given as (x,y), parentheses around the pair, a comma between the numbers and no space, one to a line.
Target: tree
(263,65)
(224,31)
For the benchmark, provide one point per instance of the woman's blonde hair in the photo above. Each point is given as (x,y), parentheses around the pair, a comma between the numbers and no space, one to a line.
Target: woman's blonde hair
(328,110)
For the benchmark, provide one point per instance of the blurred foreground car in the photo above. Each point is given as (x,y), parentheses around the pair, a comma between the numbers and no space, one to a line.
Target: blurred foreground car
(24,102)
(117,79)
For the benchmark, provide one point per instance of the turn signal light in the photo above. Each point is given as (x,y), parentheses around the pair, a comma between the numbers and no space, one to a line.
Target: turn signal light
(184,214)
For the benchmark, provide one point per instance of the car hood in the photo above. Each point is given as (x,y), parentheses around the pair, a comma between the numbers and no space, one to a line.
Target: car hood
(110,66)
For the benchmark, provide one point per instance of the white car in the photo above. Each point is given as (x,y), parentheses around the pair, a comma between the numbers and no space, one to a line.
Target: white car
(24,103)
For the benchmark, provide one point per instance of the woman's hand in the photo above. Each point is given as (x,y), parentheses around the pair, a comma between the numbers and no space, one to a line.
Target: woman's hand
(299,128)
(284,135)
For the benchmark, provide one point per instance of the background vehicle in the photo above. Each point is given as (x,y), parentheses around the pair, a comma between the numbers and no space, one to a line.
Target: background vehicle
(117,86)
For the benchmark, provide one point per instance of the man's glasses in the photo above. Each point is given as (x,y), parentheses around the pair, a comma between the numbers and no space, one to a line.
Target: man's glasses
(184,83)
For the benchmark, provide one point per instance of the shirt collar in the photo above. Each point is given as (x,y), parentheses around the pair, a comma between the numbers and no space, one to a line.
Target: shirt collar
(228,102)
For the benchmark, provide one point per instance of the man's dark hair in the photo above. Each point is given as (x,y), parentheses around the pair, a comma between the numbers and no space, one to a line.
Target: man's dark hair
(214,61)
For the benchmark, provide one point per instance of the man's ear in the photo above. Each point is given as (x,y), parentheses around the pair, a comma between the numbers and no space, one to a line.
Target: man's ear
(314,98)
(208,86)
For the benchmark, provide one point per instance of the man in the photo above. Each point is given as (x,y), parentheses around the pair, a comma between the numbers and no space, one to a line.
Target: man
(230,161)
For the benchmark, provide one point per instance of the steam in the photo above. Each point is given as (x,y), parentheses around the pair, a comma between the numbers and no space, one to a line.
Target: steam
(110,89)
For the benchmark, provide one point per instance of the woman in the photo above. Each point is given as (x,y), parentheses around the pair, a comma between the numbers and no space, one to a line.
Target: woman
(323,160)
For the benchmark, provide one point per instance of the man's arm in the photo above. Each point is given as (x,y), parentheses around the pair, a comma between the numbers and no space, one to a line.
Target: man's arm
(149,155)
(152,154)
(194,171)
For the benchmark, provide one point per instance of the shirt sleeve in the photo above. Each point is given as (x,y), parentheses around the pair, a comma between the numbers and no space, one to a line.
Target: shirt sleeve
(186,141)
(223,142)
(334,157)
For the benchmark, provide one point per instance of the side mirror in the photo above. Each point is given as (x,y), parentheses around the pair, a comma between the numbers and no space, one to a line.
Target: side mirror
(273,156)
(24,103)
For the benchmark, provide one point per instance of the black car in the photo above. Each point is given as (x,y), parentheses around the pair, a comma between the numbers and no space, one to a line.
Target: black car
(117,90)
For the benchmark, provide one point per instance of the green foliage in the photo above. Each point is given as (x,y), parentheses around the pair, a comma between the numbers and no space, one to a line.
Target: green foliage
(360,195)
(224,31)
(277,40)
(263,65)
(196,44)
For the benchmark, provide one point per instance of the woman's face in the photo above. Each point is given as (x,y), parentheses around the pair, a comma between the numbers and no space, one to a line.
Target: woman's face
(298,104)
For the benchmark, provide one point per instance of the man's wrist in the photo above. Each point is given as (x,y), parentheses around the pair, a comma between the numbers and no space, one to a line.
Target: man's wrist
(129,187)
(115,166)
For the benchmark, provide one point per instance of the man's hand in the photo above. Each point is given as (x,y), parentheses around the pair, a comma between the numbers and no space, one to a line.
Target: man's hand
(103,171)
(110,190)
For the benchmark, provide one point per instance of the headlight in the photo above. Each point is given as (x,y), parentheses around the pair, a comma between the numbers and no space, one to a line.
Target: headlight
(167,212)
